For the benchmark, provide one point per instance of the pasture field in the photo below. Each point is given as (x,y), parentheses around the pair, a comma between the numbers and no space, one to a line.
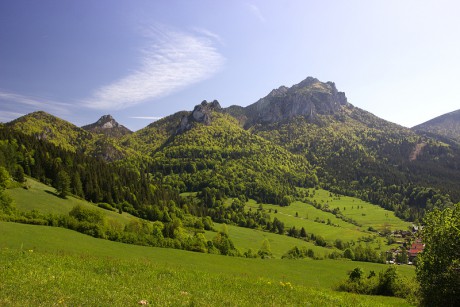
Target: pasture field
(246,238)
(366,214)
(344,231)
(43,199)
(300,214)
(44,266)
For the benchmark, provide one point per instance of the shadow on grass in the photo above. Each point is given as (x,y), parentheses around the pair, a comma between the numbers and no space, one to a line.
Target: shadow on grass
(53,193)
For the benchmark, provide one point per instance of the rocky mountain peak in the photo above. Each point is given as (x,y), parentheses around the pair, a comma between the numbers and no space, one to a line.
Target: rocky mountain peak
(201,114)
(107,125)
(307,98)
(107,122)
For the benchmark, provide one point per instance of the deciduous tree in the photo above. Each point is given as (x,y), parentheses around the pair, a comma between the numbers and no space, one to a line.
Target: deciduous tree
(438,266)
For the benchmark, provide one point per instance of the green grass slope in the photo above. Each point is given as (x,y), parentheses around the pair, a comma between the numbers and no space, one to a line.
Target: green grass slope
(365,213)
(300,214)
(50,266)
(43,199)
(247,238)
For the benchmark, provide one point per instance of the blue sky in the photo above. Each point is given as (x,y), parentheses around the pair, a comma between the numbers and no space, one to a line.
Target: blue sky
(142,60)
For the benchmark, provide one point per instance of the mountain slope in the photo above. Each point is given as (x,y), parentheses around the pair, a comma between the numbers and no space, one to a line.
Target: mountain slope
(353,151)
(49,128)
(208,149)
(447,125)
(288,138)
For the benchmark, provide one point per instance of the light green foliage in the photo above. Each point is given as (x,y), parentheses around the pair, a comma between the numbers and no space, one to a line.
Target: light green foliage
(359,154)
(83,214)
(6,203)
(388,282)
(438,266)
(70,137)
(4,178)
(265,250)
(222,155)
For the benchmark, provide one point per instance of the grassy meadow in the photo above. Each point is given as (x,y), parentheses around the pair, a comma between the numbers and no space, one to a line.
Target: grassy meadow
(50,266)
(246,238)
(42,198)
(300,214)
(46,266)
(365,213)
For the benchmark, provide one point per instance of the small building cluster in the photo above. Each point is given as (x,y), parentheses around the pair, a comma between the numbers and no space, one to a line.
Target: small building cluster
(410,246)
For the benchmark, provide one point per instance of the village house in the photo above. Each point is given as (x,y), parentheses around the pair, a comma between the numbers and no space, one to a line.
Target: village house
(416,248)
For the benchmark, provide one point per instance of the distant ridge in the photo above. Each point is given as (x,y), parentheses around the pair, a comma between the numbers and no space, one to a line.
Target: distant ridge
(446,125)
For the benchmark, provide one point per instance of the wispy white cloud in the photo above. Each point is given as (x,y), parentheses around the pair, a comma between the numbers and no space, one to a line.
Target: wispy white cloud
(147,117)
(13,105)
(210,34)
(6,116)
(171,61)
(256,11)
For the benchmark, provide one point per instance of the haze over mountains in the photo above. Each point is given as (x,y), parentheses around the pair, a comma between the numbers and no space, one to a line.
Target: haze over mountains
(295,136)
(447,125)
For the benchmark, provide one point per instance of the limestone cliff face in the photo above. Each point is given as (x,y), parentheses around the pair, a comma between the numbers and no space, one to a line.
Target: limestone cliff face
(308,98)
(202,113)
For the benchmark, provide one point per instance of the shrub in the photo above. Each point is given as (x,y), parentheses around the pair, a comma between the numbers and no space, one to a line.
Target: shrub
(83,214)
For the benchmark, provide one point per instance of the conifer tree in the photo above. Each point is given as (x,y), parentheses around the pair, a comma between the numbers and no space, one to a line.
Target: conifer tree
(63,184)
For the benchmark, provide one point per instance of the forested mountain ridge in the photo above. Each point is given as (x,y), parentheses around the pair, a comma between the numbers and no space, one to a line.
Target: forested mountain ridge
(61,133)
(298,136)
(447,125)
(52,129)
(353,151)
(210,149)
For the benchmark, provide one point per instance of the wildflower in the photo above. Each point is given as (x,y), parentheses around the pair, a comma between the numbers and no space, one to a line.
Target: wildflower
(143,302)
(184,293)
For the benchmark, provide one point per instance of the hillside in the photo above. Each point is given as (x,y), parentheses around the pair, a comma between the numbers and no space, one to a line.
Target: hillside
(384,162)
(207,148)
(41,198)
(447,125)
(89,140)
(302,136)
(104,273)
(49,128)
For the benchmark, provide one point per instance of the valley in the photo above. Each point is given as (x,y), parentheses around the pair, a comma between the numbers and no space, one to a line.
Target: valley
(286,198)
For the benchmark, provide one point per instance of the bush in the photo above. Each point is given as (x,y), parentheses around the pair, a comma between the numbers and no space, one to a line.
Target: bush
(387,283)
(83,214)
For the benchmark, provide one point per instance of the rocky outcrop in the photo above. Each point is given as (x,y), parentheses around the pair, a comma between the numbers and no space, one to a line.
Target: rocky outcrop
(308,98)
(109,126)
(202,113)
